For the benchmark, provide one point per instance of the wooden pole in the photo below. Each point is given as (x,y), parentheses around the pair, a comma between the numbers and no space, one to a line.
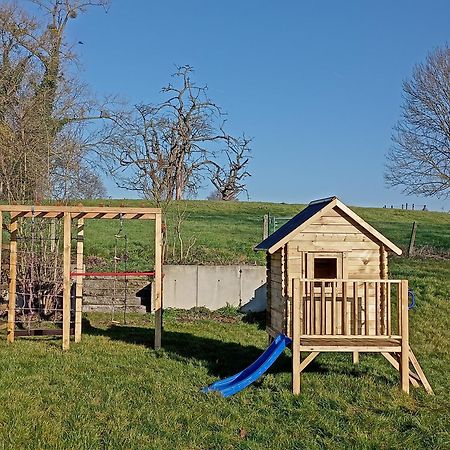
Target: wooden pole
(1,244)
(412,240)
(297,296)
(158,283)
(12,278)
(66,281)
(79,280)
(404,363)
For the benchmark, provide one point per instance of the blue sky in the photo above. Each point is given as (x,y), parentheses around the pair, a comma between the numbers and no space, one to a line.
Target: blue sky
(317,84)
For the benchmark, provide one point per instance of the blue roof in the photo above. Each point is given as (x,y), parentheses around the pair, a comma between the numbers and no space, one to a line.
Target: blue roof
(312,209)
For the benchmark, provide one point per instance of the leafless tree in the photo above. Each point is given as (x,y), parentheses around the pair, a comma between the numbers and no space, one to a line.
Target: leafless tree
(228,179)
(419,160)
(162,151)
(39,101)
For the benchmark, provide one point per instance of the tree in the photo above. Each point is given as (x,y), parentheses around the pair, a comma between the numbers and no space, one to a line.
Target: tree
(228,179)
(419,160)
(163,150)
(40,104)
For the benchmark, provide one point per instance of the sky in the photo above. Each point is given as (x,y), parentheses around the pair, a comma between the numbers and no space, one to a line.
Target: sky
(317,84)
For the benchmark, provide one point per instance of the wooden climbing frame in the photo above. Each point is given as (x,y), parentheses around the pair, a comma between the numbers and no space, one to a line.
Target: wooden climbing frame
(80,214)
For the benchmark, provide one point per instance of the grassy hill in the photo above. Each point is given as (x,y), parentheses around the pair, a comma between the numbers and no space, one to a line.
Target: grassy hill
(226,232)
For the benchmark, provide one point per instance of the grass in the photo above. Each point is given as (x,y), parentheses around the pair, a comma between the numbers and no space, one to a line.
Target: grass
(113,391)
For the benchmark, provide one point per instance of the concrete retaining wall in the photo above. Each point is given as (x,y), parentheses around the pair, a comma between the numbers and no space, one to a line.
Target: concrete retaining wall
(185,287)
(215,286)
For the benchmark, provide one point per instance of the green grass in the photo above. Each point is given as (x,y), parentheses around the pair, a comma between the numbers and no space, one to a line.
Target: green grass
(226,232)
(113,391)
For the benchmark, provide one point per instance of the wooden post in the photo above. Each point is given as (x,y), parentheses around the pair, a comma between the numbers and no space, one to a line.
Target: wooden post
(412,240)
(404,363)
(12,278)
(158,283)
(297,296)
(79,280)
(66,281)
(383,293)
(265,226)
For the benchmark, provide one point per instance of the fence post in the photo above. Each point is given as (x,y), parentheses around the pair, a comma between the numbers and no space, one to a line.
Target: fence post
(404,365)
(412,240)
(13,226)
(297,296)
(265,226)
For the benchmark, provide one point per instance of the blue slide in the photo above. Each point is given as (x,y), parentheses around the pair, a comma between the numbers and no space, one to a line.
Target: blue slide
(235,383)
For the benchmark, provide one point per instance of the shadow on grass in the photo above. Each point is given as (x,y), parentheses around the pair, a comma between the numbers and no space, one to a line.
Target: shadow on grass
(223,359)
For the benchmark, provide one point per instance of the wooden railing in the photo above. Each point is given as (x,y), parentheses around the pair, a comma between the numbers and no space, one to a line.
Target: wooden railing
(349,307)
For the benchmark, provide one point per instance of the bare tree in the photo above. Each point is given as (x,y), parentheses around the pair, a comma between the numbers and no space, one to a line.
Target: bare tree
(162,151)
(228,179)
(39,101)
(419,160)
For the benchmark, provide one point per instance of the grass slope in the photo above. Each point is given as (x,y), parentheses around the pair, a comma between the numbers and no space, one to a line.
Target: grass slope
(226,232)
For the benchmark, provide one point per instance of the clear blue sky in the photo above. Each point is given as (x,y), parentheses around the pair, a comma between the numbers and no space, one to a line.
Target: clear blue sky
(316,83)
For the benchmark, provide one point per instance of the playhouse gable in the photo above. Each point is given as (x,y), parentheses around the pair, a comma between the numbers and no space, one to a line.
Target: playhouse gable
(330,220)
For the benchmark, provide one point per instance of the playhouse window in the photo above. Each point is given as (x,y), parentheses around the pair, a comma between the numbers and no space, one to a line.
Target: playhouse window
(325,267)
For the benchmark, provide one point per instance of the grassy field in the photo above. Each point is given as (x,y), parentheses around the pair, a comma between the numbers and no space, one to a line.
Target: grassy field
(226,232)
(113,391)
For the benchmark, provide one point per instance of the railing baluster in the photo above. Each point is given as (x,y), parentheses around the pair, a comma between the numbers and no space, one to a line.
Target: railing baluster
(377,308)
(388,307)
(355,308)
(344,309)
(366,308)
(323,310)
(311,308)
(333,307)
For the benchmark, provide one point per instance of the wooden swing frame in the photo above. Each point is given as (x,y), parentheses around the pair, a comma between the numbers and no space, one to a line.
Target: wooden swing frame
(78,213)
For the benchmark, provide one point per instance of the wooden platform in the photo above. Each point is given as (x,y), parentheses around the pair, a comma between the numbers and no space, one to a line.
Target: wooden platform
(310,343)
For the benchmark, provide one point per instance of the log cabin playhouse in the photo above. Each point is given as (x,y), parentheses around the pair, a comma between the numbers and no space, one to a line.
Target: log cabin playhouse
(328,290)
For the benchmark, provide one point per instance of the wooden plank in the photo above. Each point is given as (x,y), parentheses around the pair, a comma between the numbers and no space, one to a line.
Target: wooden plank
(377,308)
(296,327)
(312,309)
(404,362)
(388,308)
(309,359)
(323,311)
(396,365)
(333,308)
(366,308)
(356,237)
(79,209)
(304,347)
(355,310)
(79,280)
(13,226)
(66,281)
(344,309)
(420,372)
(158,282)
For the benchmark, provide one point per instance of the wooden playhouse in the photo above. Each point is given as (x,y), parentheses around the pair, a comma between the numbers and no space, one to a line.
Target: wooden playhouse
(328,290)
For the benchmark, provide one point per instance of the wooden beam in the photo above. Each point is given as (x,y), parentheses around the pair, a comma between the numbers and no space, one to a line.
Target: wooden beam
(1,245)
(396,365)
(420,372)
(309,359)
(66,281)
(79,280)
(404,362)
(297,291)
(110,210)
(12,279)
(158,282)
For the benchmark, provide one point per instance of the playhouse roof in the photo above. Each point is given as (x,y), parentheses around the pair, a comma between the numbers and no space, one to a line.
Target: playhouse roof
(280,237)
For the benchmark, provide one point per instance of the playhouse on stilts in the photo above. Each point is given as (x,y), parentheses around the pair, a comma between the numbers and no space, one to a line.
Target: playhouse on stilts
(328,290)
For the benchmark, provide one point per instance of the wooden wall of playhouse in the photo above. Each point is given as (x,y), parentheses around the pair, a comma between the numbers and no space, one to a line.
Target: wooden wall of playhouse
(330,237)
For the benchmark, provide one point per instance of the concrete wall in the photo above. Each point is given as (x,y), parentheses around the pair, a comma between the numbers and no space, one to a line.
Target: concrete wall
(184,287)
(215,286)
